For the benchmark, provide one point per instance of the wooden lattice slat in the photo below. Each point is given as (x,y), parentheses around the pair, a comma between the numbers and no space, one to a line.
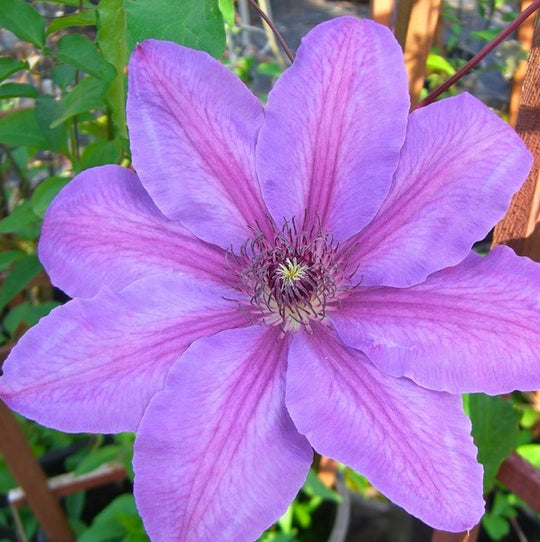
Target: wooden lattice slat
(416,27)
(28,473)
(520,227)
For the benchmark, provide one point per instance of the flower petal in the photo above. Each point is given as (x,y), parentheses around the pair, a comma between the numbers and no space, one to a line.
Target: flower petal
(412,444)
(469,328)
(334,125)
(93,364)
(193,127)
(458,169)
(104,230)
(217,456)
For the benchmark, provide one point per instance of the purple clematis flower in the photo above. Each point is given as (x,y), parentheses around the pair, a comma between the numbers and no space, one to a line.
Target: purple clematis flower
(281,279)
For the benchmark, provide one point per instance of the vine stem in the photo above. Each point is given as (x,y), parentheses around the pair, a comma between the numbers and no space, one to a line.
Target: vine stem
(272,26)
(432,96)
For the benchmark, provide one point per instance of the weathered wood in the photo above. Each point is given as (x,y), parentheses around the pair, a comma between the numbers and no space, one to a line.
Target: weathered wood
(524,35)
(66,484)
(520,228)
(442,536)
(28,473)
(522,478)
(416,27)
(381,11)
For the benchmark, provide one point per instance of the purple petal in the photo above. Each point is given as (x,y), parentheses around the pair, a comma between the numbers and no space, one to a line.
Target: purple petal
(334,126)
(469,328)
(217,456)
(458,169)
(193,127)
(103,230)
(412,444)
(93,364)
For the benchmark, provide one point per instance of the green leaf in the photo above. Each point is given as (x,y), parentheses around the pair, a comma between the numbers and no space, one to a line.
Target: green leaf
(109,524)
(102,152)
(7,257)
(83,18)
(26,313)
(21,217)
(18,90)
(437,63)
(75,504)
(96,458)
(23,20)
(486,35)
(21,128)
(530,452)
(80,52)
(47,110)
(88,94)
(314,486)
(46,192)
(495,431)
(270,68)
(9,65)
(495,526)
(227,10)
(112,42)
(23,271)
(63,75)
(193,23)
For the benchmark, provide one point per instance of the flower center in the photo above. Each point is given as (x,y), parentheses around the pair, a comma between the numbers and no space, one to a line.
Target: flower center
(293,278)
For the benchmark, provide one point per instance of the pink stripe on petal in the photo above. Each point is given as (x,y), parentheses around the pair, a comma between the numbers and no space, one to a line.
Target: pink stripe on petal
(470,328)
(334,125)
(93,364)
(217,456)
(413,444)
(459,167)
(104,230)
(193,127)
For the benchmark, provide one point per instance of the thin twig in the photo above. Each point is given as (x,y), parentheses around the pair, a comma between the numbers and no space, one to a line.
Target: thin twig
(432,96)
(24,182)
(279,37)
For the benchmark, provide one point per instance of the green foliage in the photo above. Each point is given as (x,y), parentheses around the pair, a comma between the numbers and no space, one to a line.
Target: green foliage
(495,521)
(495,431)
(21,129)
(83,18)
(118,522)
(22,272)
(194,23)
(9,66)
(112,41)
(81,53)
(227,11)
(20,90)
(45,193)
(23,20)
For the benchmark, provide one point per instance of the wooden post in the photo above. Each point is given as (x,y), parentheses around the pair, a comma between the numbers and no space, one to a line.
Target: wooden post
(524,35)
(416,27)
(31,478)
(520,228)
(381,11)
(522,478)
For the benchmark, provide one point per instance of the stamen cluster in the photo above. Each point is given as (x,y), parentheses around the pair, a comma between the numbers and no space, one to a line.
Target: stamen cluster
(293,277)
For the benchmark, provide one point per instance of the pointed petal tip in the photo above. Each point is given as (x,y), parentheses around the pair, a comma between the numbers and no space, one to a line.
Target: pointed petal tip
(413,444)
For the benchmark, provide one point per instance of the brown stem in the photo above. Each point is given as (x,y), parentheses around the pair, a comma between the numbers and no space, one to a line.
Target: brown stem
(432,96)
(24,183)
(279,37)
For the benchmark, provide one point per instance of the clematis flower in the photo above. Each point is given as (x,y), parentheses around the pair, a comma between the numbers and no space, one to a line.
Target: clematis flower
(281,279)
